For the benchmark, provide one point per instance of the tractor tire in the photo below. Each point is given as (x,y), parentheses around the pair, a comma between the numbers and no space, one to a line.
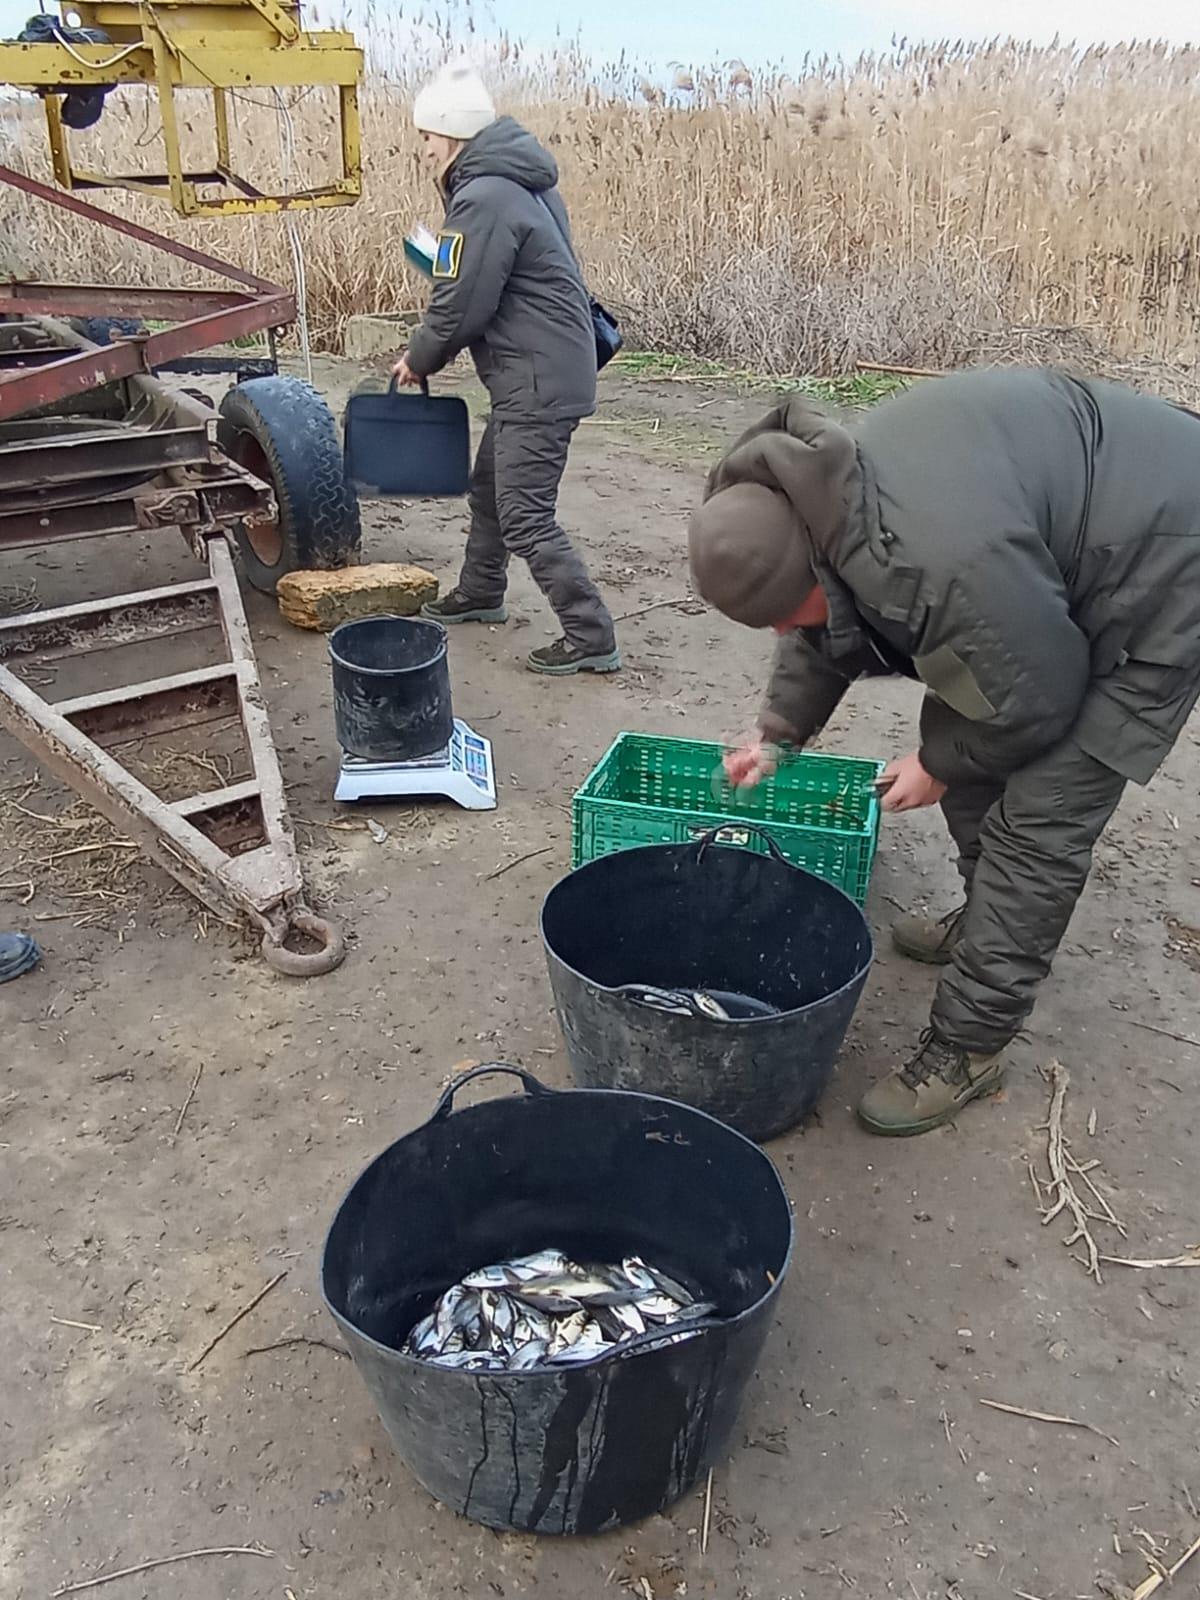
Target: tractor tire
(281,430)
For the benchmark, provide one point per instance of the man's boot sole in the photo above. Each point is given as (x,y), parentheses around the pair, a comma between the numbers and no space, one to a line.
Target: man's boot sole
(481,614)
(606,663)
(907,1130)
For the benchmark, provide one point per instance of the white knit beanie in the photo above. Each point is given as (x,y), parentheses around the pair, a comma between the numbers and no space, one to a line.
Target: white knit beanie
(455,103)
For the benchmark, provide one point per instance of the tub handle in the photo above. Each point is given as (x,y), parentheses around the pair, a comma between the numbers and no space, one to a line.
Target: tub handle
(531,1085)
(712,836)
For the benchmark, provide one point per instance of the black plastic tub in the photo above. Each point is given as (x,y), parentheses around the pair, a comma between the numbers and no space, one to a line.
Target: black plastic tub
(391,688)
(602,1176)
(788,952)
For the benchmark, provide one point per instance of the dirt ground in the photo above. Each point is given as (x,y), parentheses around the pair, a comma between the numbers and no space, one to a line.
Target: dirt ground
(923,1283)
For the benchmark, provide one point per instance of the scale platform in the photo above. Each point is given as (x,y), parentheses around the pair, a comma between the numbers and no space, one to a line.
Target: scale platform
(463,772)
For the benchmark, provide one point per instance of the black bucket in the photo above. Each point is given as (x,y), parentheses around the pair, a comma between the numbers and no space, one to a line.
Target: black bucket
(391,688)
(785,953)
(600,1176)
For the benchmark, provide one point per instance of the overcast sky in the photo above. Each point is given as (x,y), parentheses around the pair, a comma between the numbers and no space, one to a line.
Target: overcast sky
(781,33)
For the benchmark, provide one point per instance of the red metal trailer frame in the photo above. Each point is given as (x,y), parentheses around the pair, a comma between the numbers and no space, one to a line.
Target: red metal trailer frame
(68,471)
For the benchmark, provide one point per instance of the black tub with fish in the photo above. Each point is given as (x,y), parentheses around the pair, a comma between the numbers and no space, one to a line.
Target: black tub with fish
(601,1177)
(707,973)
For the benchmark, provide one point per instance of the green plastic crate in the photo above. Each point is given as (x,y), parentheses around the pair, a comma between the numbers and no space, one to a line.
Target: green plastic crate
(822,811)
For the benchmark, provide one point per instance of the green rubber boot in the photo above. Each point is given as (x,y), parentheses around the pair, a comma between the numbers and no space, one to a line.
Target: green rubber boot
(930,1089)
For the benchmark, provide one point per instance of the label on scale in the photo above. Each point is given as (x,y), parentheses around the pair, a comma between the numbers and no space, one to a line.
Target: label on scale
(463,772)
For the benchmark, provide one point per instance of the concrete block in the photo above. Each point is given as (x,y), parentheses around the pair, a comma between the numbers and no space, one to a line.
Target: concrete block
(322,600)
(378,333)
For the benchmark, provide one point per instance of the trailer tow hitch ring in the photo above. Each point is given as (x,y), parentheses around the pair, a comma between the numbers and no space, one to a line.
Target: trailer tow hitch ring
(297,964)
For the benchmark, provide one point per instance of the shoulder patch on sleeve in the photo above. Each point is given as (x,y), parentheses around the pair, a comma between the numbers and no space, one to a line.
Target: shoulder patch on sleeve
(447,257)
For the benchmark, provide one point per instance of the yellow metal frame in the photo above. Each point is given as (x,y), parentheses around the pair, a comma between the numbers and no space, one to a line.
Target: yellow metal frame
(220,45)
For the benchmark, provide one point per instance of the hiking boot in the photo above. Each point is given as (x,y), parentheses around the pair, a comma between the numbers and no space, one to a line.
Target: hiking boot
(930,1089)
(560,659)
(18,955)
(458,607)
(929,939)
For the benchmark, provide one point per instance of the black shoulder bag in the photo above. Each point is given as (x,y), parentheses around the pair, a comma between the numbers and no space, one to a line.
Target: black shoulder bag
(604,324)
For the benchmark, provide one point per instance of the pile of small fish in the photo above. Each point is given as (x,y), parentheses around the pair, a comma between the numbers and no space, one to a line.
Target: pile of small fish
(718,1005)
(546,1310)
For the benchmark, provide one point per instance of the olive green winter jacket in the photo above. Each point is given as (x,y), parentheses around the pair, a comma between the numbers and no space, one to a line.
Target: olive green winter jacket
(1030,543)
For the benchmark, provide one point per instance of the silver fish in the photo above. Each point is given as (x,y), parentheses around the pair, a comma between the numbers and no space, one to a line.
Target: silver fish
(583,1287)
(709,1007)
(532,1329)
(555,1305)
(541,1261)
(539,1323)
(588,1347)
(668,1286)
(470,1360)
(696,1310)
(546,1309)
(511,1274)
(455,1310)
(659,1308)
(639,1274)
(505,1277)
(620,1322)
(568,1331)
(530,1355)
(497,1312)
(664,1341)
(422,1340)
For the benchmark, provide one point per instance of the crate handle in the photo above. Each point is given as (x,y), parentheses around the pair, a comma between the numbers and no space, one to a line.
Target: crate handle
(713,836)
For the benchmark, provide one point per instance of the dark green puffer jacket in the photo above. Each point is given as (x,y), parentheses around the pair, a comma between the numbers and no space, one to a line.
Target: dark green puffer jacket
(514,297)
(1031,544)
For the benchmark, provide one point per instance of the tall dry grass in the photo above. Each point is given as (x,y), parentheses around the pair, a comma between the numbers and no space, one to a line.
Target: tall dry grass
(909,208)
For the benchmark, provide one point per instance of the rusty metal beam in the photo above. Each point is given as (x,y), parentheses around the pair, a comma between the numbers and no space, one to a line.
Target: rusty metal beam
(255,724)
(99,624)
(263,879)
(103,300)
(84,456)
(72,374)
(140,511)
(269,306)
(89,519)
(134,230)
(160,705)
(198,805)
(21,358)
(231,817)
(232,495)
(129,805)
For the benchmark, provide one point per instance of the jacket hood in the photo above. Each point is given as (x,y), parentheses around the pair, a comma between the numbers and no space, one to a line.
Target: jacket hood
(773,509)
(803,455)
(505,150)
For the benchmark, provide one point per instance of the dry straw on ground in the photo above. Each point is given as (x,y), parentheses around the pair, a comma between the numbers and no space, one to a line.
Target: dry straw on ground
(913,208)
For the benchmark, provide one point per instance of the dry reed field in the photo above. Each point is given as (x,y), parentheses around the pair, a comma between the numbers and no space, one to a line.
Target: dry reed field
(936,205)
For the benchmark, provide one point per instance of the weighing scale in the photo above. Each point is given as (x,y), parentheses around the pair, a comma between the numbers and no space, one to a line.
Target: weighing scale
(463,772)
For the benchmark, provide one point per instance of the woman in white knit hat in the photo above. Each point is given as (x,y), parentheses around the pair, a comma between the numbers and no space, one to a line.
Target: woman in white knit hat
(508,288)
